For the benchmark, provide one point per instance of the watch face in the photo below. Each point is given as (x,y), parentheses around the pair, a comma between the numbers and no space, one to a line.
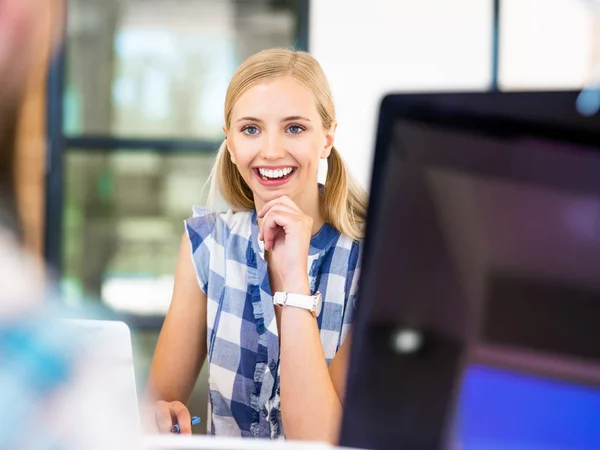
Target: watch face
(319,304)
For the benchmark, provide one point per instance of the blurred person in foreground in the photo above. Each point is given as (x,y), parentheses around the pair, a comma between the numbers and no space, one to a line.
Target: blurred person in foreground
(51,390)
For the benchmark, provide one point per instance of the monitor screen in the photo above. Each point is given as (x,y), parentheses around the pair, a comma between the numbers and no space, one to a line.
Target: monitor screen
(518,219)
(506,409)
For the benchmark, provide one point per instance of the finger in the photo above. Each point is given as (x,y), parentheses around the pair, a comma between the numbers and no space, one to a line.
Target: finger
(182,417)
(162,415)
(283,200)
(272,221)
(276,208)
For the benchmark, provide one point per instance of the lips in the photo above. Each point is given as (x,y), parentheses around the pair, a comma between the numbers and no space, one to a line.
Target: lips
(274,176)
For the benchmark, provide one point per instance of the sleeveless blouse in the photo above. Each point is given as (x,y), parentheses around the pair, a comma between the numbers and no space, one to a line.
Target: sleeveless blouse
(242,337)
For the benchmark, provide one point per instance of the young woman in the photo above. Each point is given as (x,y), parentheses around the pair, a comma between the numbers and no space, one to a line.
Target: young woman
(267,289)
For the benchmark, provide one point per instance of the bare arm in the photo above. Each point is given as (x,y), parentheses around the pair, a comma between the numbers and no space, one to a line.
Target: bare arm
(311,393)
(338,368)
(181,347)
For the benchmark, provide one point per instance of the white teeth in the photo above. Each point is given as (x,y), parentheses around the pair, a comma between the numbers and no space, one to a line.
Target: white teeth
(277,173)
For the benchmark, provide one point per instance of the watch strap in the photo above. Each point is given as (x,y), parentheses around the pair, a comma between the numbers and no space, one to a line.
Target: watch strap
(297,300)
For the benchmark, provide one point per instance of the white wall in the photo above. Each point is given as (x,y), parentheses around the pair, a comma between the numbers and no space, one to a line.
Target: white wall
(370,48)
(546,43)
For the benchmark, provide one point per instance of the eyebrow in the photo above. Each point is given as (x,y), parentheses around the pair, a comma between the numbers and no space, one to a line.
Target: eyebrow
(290,118)
(286,119)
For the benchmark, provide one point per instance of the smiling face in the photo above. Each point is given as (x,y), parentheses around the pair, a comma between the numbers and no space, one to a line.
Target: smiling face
(276,139)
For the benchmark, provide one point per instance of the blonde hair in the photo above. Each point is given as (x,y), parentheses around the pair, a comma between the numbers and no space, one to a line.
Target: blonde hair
(343,202)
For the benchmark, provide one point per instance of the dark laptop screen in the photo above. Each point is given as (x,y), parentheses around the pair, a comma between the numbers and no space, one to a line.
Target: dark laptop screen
(484,241)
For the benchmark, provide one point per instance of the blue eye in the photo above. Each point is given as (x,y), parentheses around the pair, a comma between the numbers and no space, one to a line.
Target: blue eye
(250,130)
(295,129)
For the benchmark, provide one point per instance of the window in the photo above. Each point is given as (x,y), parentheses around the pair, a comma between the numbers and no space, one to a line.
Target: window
(160,68)
(548,44)
(123,222)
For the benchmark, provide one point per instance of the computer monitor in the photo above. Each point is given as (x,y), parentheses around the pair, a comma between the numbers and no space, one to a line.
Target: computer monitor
(478,315)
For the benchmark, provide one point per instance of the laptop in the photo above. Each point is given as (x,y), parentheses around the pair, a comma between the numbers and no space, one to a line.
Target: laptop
(479,303)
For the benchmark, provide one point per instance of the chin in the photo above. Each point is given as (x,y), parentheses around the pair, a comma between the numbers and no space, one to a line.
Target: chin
(266,195)
(269,196)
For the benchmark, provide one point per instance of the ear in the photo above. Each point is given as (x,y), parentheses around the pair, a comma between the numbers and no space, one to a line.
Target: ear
(228,144)
(329,140)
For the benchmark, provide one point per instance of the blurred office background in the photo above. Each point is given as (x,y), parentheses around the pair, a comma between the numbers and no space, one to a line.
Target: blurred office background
(127,119)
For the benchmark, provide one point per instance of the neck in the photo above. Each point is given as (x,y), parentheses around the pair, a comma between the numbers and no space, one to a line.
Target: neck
(309,204)
(313,210)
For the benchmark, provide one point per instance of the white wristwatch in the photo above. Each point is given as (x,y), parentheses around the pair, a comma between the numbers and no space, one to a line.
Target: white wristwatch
(311,302)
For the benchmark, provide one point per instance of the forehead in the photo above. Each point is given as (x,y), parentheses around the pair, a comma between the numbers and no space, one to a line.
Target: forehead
(276,97)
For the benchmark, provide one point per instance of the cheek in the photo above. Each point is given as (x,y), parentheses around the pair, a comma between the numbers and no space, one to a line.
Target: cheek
(245,150)
(306,151)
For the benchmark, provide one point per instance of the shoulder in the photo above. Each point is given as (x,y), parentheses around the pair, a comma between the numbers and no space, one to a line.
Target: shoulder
(353,255)
(352,247)
(218,225)
(210,233)
(341,257)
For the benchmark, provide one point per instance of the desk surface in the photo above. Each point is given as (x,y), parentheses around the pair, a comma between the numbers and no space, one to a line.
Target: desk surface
(177,442)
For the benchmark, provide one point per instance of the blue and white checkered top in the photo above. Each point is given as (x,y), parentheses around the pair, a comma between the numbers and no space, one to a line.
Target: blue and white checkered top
(242,338)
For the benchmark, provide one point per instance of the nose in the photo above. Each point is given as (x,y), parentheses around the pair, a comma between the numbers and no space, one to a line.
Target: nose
(272,148)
